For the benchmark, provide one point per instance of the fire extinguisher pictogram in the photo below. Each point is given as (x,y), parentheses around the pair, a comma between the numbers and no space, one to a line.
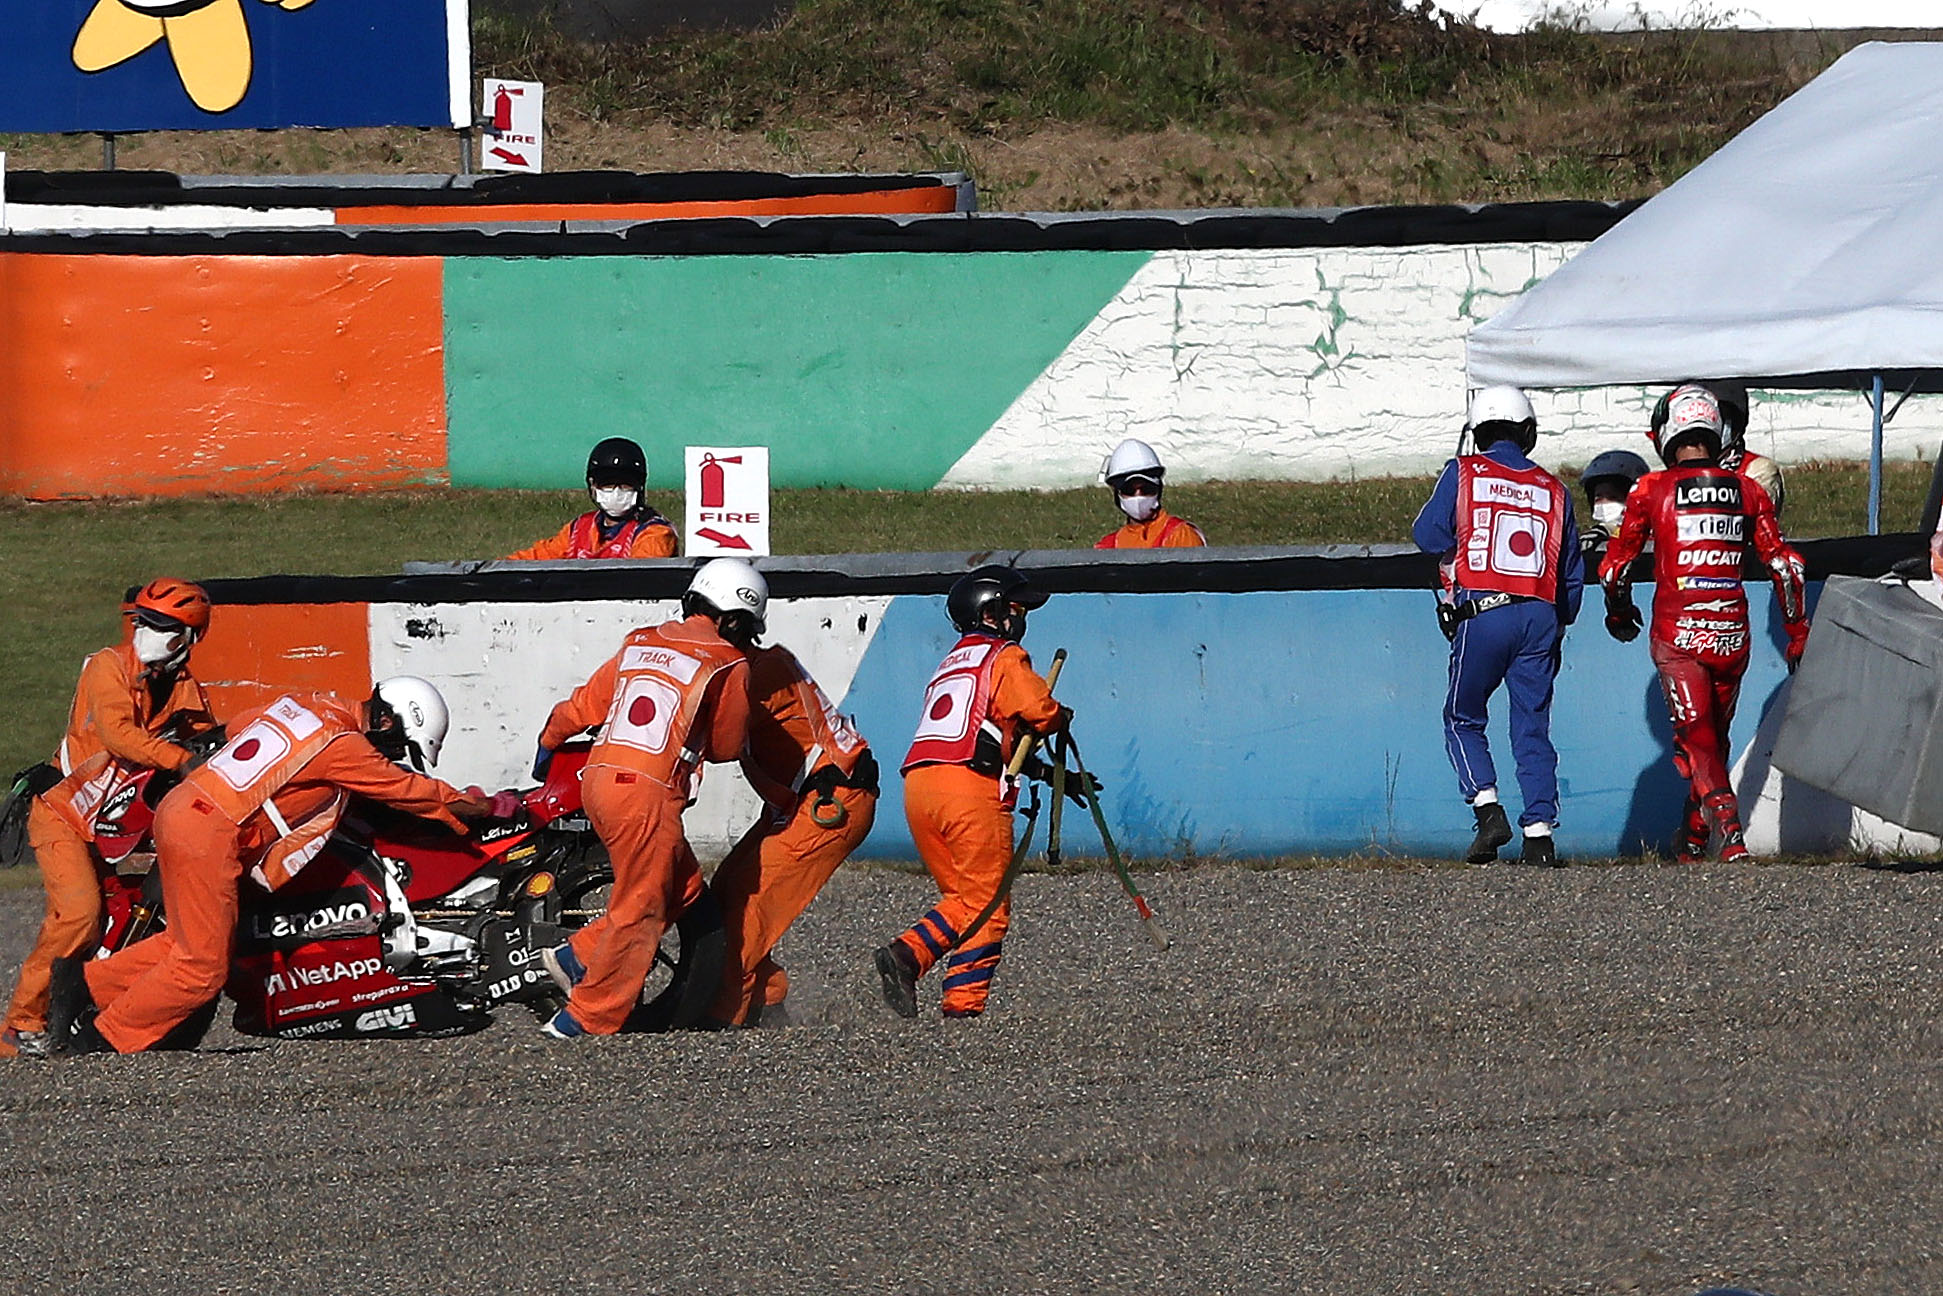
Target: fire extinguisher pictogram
(713,495)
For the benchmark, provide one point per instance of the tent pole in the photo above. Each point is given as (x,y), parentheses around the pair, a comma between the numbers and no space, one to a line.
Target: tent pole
(1875,457)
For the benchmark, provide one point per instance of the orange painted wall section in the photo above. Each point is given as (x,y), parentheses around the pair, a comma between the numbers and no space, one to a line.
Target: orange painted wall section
(883,202)
(254,652)
(132,375)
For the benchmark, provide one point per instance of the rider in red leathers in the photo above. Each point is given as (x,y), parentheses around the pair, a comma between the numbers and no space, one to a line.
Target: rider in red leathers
(1701,518)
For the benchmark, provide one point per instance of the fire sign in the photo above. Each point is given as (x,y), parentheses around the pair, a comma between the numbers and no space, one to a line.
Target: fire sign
(511,116)
(728,501)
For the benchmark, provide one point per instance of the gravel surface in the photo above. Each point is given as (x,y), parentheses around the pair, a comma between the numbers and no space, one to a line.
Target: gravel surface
(1632,1079)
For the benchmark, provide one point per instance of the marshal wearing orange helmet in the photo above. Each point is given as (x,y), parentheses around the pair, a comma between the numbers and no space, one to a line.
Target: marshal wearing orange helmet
(675,695)
(265,805)
(128,697)
(981,702)
(818,779)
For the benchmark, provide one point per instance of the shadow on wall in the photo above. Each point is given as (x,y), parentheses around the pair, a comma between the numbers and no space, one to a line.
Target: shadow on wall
(1654,813)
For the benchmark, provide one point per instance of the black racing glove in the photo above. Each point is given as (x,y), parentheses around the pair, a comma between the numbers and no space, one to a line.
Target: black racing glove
(1079,784)
(1622,616)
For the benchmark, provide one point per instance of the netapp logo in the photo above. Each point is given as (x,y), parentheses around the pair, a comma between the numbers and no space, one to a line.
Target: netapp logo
(302,978)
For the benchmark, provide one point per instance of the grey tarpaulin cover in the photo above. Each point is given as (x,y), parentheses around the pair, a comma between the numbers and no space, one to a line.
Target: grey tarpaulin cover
(1865,714)
(1808,245)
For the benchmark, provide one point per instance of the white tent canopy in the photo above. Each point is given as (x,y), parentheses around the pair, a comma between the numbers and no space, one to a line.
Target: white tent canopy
(1807,252)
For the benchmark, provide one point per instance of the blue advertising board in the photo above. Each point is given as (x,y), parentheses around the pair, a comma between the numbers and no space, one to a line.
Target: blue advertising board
(143,65)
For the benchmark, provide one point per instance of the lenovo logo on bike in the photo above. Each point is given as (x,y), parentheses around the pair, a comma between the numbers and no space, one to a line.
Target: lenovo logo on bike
(320,912)
(397,1017)
(302,978)
(1707,493)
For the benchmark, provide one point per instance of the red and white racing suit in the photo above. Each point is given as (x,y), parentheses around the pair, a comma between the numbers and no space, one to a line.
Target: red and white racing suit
(1701,520)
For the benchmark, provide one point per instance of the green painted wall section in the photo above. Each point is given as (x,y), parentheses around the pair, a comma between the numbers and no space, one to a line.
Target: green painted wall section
(869,370)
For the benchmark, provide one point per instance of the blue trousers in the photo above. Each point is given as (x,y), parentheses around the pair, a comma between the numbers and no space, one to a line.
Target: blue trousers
(1516,645)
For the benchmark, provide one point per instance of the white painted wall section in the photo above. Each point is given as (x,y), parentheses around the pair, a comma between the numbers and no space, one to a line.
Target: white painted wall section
(502,666)
(1338,363)
(61,218)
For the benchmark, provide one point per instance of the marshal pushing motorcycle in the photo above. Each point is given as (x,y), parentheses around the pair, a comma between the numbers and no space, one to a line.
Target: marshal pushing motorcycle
(353,919)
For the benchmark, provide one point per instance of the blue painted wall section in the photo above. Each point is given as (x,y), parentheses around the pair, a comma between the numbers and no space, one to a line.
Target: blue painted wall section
(1305,722)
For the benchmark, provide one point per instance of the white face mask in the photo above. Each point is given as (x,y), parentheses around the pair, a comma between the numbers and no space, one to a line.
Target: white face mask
(616,501)
(155,647)
(1141,508)
(1609,514)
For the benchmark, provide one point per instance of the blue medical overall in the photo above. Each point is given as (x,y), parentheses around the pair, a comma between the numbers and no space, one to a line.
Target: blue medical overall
(1515,644)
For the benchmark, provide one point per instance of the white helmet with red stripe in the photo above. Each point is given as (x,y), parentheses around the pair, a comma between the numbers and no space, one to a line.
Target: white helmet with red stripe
(1692,415)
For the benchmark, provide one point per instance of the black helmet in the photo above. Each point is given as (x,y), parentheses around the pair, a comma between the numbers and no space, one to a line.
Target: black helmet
(617,461)
(1616,465)
(977,592)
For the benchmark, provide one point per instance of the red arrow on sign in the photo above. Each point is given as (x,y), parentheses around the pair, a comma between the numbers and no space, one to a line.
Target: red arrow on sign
(721,538)
(516,159)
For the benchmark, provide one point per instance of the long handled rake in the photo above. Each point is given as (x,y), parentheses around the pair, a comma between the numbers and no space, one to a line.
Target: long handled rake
(1062,746)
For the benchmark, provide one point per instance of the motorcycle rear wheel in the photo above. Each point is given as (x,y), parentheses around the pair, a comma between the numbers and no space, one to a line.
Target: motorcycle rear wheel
(687,969)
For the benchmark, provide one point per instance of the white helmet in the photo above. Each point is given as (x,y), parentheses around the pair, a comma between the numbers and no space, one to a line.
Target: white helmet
(1131,457)
(1500,405)
(1691,415)
(730,585)
(422,719)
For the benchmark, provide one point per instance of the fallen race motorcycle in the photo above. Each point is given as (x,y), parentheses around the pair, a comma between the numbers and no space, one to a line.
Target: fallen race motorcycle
(402,927)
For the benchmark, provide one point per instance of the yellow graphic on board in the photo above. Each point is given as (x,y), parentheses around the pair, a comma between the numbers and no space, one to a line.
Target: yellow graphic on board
(207,39)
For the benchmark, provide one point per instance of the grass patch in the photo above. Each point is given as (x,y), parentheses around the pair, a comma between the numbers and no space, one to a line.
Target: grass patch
(1558,112)
(1098,104)
(67,564)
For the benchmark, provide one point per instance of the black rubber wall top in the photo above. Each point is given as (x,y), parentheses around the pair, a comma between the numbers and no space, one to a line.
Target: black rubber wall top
(1084,573)
(1547,222)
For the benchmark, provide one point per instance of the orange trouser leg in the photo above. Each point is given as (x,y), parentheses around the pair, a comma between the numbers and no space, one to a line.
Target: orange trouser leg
(655,875)
(196,851)
(72,924)
(766,882)
(964,836)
